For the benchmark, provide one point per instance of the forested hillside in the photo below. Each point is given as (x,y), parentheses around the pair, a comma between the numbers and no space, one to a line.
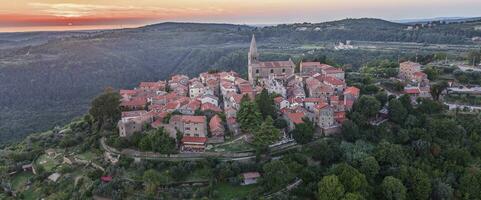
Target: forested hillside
(51,80)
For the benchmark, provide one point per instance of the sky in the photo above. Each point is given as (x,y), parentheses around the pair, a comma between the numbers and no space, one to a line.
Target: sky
(33,15)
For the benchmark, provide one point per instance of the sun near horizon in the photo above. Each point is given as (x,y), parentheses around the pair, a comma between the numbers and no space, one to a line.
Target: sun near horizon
(31,15)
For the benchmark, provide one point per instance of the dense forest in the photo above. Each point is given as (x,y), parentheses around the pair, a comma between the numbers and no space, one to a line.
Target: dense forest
(49,80)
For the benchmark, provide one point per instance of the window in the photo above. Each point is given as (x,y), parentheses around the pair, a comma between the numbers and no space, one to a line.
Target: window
(272,71)
(195,128)
(196,135)
(257,71)
(283,70)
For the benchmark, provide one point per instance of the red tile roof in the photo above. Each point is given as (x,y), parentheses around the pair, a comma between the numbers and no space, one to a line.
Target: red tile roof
(250,175)
(333,81)
(193,119)
(411,91)
(296,118)
(245,88)
(209,106)
(133,113)
(333,70)
(295,100)
(321,106)
(189,139)
(410,64)
(349,103)
(215,124)
(157,123)
(128,92)
(278,99)
(340,116)
(172,105)
(155,85)
(193,105)
(420,74)
(232,120)
(352,91)
(106,178)
(313,100)
(275,64)
(140,101)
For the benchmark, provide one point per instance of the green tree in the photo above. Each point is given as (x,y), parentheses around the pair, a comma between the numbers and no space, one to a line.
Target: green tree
(330,188)
(350,131)
(369,166)
(393,189)
(152,180)
(266,134)
(470,183)
(304,132)
(350,177)
(437,89)
(397,112)
(382,97)
(249,116)
(105,109)
(276,175)
(419,184)
(159,141)
(390,154)
(474,57)
(265,103)
(368,106)
(353,196)
(442,191)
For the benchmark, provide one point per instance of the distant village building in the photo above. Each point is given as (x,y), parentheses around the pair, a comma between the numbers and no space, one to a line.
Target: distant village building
(54,177)
(250,178)
(408,69)
(260,71)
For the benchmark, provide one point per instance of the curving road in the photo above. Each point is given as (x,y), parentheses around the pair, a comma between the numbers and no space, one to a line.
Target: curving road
(224,156)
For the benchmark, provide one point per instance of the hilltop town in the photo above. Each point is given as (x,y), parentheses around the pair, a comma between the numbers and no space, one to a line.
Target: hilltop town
(194,106)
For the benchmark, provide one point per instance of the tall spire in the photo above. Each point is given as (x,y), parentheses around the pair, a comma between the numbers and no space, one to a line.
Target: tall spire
(253,55)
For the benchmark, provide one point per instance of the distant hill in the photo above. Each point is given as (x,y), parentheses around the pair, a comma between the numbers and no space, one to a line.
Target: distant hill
(443,19)
(48,78)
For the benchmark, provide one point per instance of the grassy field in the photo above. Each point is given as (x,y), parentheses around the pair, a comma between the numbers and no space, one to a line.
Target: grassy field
(87,156)
(228,191)
(236,146)
(20,180)
(47,162)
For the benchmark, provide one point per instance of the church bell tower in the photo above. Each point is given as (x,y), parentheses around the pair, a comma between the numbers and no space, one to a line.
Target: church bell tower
(253,55)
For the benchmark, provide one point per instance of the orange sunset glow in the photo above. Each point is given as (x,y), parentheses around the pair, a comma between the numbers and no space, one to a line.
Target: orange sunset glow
(24,15)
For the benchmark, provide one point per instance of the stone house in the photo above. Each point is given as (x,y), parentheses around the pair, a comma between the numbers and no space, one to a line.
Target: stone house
(408,69)
(133,121)
(217,130)
(325,115)
(190,126)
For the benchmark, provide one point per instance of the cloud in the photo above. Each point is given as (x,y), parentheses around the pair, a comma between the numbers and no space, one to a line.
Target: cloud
(81,10)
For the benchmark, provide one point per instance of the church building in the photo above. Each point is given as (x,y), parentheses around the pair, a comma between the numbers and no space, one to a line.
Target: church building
(259,72)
